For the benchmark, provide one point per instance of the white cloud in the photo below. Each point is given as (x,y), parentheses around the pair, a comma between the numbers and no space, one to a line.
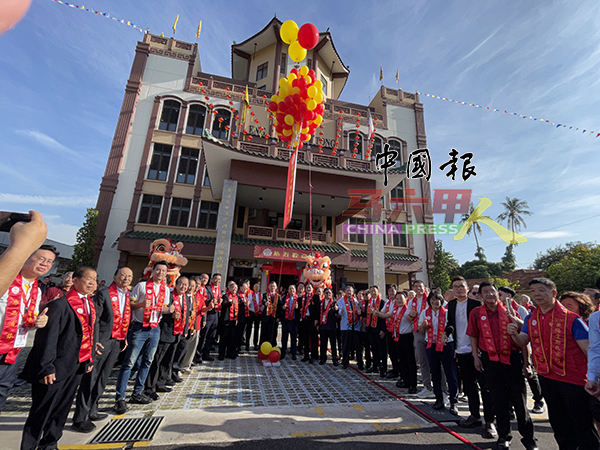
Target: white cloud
(547,234)
(47,141)
(34,201)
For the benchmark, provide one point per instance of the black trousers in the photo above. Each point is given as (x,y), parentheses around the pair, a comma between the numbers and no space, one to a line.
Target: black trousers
(252,322)
(536,389)
(507,387)
(181,351)
(238,335)
(8,376)
(162,364)
(50,405)
(471,378)
(373,338)
(268,330)
(227,345)
(207,336)
(328,335)
(392,350)
(309,338)
(569,414)
(93,384)
(289,330)
(366,348)
(407,362)
(350,343)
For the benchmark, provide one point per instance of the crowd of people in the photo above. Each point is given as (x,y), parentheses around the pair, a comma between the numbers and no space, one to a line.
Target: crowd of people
(477,341)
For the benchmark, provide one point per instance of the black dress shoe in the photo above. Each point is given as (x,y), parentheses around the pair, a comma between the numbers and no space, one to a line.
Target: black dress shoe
(154,396)
(400,384)
(83,427)
(221,358)
(453,409)
(322,362)
(502,444)
(140,399)
(294,357)
(98,416)
(164,388)
(305,359)
(335,363)
(383,375)
(170,383)
(311,361)
(176,378)
(361,367)
(391,375)
(208,358)
(412,390)
(439,404)
(120,406)
(470,422)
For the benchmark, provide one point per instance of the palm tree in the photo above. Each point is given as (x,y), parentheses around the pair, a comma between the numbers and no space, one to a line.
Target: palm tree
(475,227)
(514,209)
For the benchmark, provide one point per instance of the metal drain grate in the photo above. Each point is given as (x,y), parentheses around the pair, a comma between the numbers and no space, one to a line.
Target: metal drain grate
(128,430)
(441,415)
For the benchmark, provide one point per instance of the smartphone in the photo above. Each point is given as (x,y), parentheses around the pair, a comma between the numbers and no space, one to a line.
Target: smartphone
(8,219)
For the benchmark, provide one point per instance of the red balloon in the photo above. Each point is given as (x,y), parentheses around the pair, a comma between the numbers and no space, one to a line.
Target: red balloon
(297,99)
(289,102)
(304,137)
(294,71)
(308,36)
(282,107)
(302,108)
(308,116)
(299,146)
(280,117)
(297,116)
(320,108)
(304,92)
(301,82)
(262,356)
(311,73)
(279,128)
(273,106)
(295,83)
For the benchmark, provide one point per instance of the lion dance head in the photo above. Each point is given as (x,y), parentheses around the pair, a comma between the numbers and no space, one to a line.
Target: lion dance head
(164,250)
(317,271)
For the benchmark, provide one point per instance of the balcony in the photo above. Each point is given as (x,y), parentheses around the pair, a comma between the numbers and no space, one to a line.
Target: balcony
(280,234)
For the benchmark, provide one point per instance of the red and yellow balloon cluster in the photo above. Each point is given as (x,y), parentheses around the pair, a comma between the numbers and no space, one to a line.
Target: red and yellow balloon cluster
(273,354)
(300,39)
(298,106)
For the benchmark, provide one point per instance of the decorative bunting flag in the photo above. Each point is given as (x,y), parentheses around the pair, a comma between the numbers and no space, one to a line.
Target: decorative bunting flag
(107,15)
(489,108)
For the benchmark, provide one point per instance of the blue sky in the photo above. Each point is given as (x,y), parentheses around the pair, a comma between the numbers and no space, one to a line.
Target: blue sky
(63,74)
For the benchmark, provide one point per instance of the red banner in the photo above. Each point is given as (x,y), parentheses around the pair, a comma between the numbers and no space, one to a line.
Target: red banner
(279,253)
(289,191)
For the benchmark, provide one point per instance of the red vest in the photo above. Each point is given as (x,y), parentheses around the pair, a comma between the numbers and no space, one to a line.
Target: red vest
(155,305)
(180,303)
(486,340)
(120,322)
(87,320)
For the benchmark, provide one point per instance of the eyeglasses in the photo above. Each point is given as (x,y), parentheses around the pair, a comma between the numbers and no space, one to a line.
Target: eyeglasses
(44,261)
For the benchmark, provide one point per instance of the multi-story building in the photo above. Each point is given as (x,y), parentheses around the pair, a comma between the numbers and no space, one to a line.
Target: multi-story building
(184,165)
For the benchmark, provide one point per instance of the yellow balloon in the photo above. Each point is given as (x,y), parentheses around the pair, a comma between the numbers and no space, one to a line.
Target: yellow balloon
(274,98)
(266,348)
(295,90)
(319,97)
(297,53)
(304,130)
(319,84)
(276,349)
(289,31)
(312,91)
(283,82)
(287,132)
(318,120)
(311,104)
(303,70)
(289,119)
(292,77)
(284,91)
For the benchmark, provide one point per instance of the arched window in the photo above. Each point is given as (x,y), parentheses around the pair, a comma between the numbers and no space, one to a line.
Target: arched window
(196,118)
(169,116)
(355,141)
(221,124)
(377,146)
(396,145)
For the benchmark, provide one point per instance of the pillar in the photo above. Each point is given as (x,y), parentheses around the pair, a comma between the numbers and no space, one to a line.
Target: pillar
(224,229)
(376,260)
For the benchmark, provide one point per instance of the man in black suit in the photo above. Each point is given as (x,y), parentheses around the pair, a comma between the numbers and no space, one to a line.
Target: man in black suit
(270,315)
(309,316)
(209,331)
(61,354)
(113,314)
(459,311)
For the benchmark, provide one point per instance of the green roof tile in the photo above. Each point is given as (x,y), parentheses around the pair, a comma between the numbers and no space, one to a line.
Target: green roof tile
(387,255)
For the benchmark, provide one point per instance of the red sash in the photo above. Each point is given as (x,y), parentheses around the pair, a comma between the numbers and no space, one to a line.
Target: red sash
(120,322)
(291,307)
(549,343)
(180,303)
(325,312)
(397,316)
(351,313)
(389,323)
(216,291)
(246,308)
(11,316)
(413,306)
(233,309)
(200,303)
(87,323)
(437,337)
(155,304)
(305,301)
(256,302)
(374,303)
(272,299)
(486,338)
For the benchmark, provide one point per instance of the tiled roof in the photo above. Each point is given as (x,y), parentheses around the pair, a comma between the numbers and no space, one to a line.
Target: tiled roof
(387,255)
(211,138)
(174,237)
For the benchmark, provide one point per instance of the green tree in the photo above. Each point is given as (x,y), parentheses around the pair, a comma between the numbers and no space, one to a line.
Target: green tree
(475,227)
(509,261)
(502,282)
(514,210)
(545,259)
(576,271)
(480,255)
(83,251)
(478,271)
(444,265)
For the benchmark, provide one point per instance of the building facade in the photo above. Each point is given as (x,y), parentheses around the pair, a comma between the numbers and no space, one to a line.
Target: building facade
(188,163)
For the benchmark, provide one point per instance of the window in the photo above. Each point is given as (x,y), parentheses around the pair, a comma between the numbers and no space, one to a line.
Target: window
(169,116)
(398,240)
(241,216)
(221,123)
(397,193)
(261,71)
(208,215)
(352,140)
(283,69)
(262,88)
(396,145)
(324,81)
(309,63)
(356,237)
(377,147)
(188,163)
(196,118)
(159,165)
(180,212)
(150,210)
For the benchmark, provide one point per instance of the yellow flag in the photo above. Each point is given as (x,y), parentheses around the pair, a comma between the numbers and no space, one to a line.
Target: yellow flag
(162,34)
(199,28)
(397,75)
(246,104)
(380,73)
(175,24)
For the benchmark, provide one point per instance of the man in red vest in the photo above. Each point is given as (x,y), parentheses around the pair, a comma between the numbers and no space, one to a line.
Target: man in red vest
(19,307)
(62,352)
(559,344)
(114,315)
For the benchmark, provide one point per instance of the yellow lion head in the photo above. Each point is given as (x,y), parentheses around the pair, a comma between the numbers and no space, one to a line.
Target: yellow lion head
(164,250)
(317,270)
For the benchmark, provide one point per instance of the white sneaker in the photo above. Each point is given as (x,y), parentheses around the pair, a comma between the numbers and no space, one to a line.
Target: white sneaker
(446,401)
(426,393)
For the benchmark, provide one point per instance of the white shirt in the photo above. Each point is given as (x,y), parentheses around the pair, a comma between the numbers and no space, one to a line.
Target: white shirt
(122,299)
(139,294)
(434,323)
(463,342)
(253,298)
(4,301)
(406,327)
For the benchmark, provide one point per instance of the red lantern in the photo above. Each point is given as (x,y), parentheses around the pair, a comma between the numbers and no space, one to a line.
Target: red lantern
(220,119)
(267,136)
(210,106)
(244,132)
(207,98)
(249,138)
(200,83)
(255,120)
(354,155)
(320,151)
(226,88)
(227,127)
(203,91)
(228,95)
(236,117)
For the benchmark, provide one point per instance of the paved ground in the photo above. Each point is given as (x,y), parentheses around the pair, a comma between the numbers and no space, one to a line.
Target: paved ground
(241,403)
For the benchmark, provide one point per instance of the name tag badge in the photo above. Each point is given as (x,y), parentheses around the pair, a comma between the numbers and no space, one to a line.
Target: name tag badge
(482,317)
(21,337)
(154,317)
